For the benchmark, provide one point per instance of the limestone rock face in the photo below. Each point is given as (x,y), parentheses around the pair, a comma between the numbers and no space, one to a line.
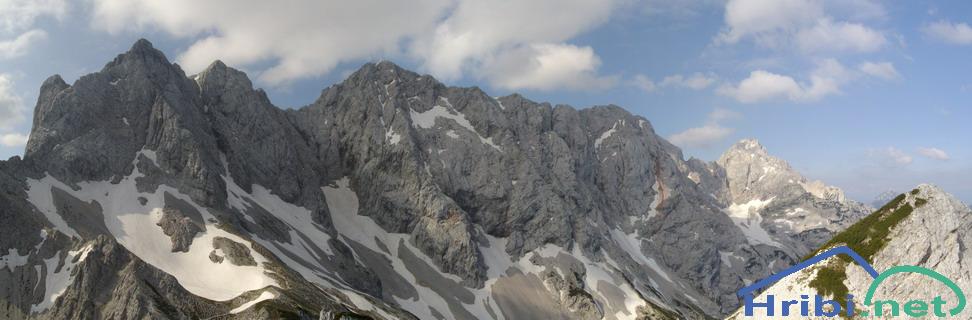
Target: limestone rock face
(764,190)
(390,196)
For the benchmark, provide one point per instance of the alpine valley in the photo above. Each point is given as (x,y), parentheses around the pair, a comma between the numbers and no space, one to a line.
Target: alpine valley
(146,193)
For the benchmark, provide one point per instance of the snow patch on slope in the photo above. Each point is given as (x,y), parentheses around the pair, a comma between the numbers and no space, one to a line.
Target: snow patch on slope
(39,194)
(266,295)
(632,245)
(607,134)
(134,226)
(426,120)
(343,205)
(746,216)
(57,280)
(392,136)
(13,259)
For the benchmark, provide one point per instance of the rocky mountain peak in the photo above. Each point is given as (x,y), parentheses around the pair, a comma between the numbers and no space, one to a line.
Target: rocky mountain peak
(750,145)
(384,72)
(143,59)
(218,79)
(751,170)
(883,198)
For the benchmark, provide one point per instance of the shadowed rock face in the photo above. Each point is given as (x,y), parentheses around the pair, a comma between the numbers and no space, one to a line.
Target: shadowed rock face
(179,227)
(181,222)
(444,202)
(233,251)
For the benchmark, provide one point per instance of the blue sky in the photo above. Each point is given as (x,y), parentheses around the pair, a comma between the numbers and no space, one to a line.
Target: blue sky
(864,95)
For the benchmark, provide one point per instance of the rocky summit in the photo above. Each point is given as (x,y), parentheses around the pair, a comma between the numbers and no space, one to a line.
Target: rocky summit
(146,193)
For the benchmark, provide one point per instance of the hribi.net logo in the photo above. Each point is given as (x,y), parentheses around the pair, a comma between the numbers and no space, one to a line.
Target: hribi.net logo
(944,304)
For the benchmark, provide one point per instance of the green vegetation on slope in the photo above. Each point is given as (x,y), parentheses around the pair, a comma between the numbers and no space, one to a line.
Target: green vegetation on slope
(866,237)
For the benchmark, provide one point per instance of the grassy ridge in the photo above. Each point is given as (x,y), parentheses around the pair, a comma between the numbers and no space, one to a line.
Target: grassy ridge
(866,237)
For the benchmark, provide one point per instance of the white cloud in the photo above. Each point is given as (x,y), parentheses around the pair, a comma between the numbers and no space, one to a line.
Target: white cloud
(17,19)
(763,19)
(478,30)
(13,140)
(708,134)
(883,70)
(300,38)
(546,67)
(802,24)
(723,114)
(954,33)
(701,137)
(891,157)
(857,10)
(644,83)
(827,35)
(449,38)
(11,105)
(696,81)
(933,153)
(825,80)
(18,46)
(12,113)
(18,15)
(763,85)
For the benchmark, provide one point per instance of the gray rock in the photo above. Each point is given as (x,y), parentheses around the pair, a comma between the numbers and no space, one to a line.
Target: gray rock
(235,252)
(180,222)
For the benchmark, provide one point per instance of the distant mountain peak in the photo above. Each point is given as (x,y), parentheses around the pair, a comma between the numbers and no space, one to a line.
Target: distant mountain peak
(883,198)
(750,144)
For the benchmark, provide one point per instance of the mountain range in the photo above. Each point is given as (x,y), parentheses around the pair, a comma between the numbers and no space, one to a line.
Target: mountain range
(147,193)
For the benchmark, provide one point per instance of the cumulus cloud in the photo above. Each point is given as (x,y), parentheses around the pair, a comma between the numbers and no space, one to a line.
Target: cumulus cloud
(644,83)
(802,24)
(825,80)
(300,38)
(764,19)
(17,17)
(954,33)
(13,140)
(763,85)
(11,105)
(18,46)
(449,38)
(476,31)
(883,70)
(546,67)
(695,81)
(708,134)
(723,114)
(12,113)
(933,153)
(827,35)
(858,9)
(891,157)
